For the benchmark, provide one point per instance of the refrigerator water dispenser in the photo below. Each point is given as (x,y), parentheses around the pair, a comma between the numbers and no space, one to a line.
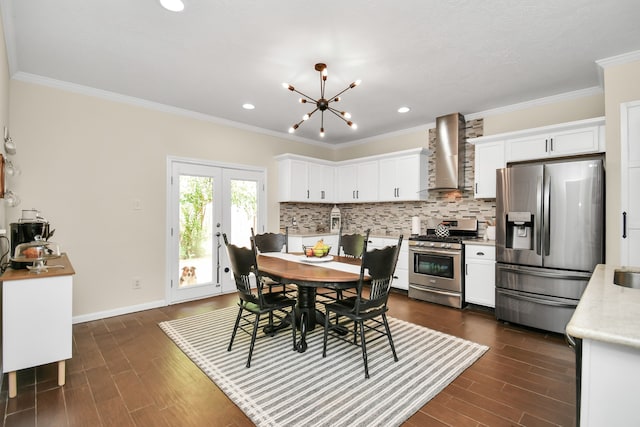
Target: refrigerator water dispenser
(519,230)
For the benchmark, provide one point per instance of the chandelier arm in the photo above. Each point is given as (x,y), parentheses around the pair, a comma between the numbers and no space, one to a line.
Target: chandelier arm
(305,95)
(337,113)
(339,93)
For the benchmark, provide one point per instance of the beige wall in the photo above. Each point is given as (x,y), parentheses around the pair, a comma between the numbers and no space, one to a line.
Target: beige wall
(622,84)
(568,110)
(4,106)
(85,159)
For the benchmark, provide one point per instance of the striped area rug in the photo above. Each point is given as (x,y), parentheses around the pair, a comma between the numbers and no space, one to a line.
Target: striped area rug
(285,388)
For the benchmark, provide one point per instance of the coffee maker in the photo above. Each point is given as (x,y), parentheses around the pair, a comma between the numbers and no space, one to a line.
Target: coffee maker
(25,230)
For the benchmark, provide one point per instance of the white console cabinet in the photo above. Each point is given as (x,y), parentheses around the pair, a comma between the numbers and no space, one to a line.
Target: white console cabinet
(36,319)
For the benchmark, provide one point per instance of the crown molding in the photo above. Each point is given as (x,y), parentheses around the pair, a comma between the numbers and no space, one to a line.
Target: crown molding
(622,59)
(138,102)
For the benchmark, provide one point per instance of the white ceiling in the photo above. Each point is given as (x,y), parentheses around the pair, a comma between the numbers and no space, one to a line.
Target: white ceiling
(434,56)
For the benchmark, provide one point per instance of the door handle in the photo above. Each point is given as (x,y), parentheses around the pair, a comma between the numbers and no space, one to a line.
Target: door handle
(546,145)
(551,145)
(476,188)
(624,225)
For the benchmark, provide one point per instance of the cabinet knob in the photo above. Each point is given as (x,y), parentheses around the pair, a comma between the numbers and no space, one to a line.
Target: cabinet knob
(480,253)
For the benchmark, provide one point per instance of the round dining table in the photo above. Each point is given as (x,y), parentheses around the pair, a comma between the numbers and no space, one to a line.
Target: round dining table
(308,276)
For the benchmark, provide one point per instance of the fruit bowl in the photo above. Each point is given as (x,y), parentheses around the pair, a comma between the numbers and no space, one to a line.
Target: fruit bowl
(312,251)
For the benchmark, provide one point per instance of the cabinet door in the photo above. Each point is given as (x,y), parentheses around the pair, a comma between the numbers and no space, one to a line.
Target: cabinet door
(531,147)
(293,176)
(574,141)
(367,182)
(387,181)
(489,157)
(479,285)
(411,177)
(630,176)
(321,183)
(346,183)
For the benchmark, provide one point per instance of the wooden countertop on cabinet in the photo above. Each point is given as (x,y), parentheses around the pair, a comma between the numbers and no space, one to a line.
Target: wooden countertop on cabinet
(37,319)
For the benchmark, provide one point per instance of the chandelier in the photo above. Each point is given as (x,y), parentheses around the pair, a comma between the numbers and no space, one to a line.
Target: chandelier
(322,104)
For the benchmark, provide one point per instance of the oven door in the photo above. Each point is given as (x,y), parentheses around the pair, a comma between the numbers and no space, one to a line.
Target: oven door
(434,268)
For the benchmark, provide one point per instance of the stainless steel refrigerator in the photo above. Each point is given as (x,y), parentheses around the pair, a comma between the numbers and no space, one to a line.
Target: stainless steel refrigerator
(549,238)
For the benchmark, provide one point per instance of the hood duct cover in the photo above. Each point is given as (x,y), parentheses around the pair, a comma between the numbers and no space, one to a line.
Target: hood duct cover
(449,161)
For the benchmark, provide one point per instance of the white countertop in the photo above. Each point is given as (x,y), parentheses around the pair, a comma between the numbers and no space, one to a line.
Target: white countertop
(479,241)
(607,312)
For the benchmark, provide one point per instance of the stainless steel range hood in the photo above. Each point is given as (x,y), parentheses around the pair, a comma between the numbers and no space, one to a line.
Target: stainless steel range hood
(449,161)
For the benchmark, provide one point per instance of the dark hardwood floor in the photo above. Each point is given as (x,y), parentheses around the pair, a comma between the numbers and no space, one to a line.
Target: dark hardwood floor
(126,372)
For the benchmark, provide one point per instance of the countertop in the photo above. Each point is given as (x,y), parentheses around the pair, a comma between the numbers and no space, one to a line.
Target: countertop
(21,274)
(607,312)
(479,241)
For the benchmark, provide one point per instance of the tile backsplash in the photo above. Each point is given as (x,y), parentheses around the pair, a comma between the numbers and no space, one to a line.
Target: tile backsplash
(393,218)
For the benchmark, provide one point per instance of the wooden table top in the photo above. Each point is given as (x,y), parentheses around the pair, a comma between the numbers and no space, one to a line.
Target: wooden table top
(21,274)
(309,274)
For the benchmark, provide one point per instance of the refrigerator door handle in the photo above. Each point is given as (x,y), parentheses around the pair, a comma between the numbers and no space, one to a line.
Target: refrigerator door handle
(542,273)
(546,215)
(538,221)
(543,301)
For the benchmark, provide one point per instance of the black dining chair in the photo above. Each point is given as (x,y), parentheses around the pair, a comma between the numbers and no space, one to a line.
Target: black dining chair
(351,246)
(366,311)
(254,301)
(272,242)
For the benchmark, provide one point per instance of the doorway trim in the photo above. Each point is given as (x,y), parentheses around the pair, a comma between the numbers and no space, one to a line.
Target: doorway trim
(171,160)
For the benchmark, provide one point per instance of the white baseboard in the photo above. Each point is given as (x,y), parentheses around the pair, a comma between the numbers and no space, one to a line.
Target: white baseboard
(119,311)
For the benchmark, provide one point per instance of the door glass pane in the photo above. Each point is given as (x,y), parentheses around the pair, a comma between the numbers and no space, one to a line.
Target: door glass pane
(196,227)
(244,211)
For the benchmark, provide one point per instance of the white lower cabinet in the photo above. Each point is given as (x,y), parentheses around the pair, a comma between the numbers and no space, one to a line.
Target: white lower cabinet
(401,279)
(480,275)
(610,383)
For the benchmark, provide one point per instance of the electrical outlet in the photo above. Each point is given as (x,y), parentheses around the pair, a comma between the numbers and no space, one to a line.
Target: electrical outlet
(136,283)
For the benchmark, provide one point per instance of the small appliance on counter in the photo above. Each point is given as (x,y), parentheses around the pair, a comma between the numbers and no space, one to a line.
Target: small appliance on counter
(37,253)
(29,227)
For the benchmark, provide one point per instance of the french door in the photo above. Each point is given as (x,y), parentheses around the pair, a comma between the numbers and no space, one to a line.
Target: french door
(206,200)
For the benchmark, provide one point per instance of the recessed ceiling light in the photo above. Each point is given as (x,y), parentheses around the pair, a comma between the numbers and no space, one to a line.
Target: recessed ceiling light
(173,5)
(404,110)
(248,106)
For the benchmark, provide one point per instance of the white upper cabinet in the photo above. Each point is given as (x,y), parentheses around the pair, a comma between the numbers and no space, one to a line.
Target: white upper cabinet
(358,182)
(305,180)
(489,157)
(398,176)
(321,182)
(403,177)
(567,139)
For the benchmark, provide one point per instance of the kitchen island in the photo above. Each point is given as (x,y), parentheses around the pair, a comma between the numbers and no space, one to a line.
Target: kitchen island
(606,324)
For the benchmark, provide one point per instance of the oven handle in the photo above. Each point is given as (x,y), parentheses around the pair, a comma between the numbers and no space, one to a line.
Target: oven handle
(426,288)
(436,251)
(542,301)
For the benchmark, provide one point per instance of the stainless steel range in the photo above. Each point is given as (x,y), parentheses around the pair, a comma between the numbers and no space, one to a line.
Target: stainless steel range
(436,262)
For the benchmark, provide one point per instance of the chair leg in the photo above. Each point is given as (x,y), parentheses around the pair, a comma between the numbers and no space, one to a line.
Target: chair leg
(386,326)
(326,332)
(253,338)
(235,328)
(363,344)
(292,314)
